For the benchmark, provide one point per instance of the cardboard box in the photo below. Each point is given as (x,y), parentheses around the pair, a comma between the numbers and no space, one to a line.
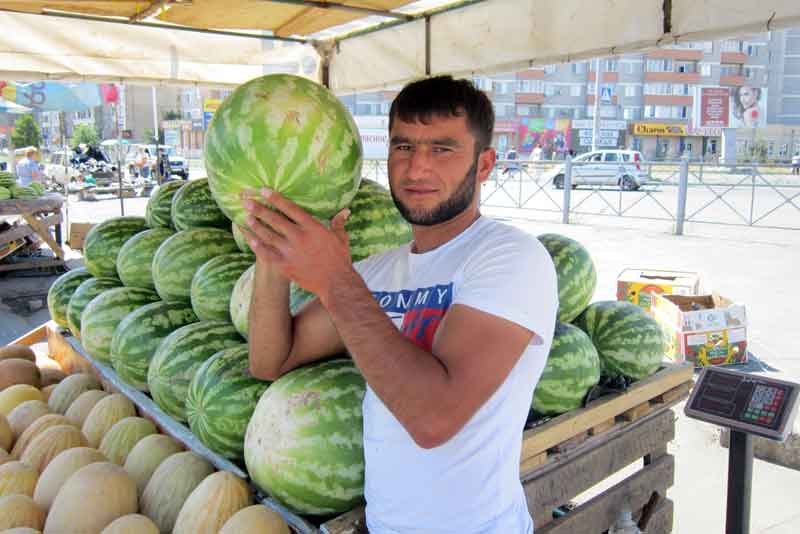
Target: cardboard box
(703,329)
(77,233)
(639,285)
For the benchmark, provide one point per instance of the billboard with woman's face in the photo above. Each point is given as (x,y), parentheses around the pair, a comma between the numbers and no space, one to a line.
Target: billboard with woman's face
(748,107)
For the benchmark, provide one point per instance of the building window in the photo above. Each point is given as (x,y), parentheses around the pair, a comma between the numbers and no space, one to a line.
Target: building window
(680,89)
(732,46)
(650,112)
(659,65)
(752,50)
(631,90)
(730,70)
(631,114)
(685,66)
(530,86)
(749,73)
(578,67)
(550,69)
(529,110)
(656,89)
(705,69)
(631,67)
(609,65)
(575,90)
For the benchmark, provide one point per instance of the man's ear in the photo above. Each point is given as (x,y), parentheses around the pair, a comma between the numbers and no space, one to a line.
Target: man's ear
(486,161)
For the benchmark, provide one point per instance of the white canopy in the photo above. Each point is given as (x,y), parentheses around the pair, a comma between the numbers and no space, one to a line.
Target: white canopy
(482,36)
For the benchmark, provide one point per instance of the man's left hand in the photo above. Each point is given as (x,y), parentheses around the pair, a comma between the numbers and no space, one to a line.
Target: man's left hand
(305,251)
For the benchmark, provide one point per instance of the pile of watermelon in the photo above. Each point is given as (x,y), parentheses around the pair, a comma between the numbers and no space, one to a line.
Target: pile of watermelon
(9,188)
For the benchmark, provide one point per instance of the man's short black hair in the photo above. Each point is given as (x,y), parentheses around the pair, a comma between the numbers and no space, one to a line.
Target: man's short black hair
(446,96)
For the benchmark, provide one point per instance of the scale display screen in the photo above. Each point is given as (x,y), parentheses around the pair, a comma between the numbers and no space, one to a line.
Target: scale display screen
(750,403)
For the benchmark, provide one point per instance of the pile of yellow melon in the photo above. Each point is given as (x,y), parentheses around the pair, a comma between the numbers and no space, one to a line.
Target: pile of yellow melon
(77,459)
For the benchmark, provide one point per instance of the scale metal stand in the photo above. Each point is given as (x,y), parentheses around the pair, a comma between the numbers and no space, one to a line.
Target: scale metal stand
(748,405)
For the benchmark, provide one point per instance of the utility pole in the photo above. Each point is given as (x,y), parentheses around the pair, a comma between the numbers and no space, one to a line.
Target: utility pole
(596,122)
(155,128)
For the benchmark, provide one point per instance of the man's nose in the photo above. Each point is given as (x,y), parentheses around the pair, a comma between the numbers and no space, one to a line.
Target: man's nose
(420,163)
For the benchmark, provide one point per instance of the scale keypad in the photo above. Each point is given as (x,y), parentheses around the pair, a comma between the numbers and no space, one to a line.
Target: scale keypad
(764,405)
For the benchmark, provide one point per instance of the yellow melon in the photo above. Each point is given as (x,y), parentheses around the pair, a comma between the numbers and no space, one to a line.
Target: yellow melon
(105,414)
(6,433)
(147,455)
(91,499)
(131,524)
(80,407)
(59,470)
(51,376)
(20,511)
(17,351)
(25,414)
(21,530)
(212,503)
(19,371)
(37,427)
(118,442)
(170,486)
(70,389)
(50,443)
(4,456)
(15,395)
(47,390)
(17,478)
(255,519)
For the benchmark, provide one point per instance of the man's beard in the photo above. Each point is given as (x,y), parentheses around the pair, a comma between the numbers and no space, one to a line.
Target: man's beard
(447,209)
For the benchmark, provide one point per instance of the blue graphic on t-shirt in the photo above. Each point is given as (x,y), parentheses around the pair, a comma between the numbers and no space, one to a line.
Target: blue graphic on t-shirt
(422,310)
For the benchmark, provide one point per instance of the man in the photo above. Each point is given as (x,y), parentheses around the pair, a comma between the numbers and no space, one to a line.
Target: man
(452,359)
(796,163)
(28,169)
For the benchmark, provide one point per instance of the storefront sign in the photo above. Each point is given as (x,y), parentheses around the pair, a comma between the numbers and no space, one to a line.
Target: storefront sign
(650,128)
(605,124)
(714,106)
(210,106)
(606,138)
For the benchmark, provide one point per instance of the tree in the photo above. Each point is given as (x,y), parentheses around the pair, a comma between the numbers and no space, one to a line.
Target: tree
(172,115)
(26,132)
(150,136)
(85,133)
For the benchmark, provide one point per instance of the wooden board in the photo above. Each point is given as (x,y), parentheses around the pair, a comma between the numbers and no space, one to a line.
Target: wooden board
(33,264)
(46,203)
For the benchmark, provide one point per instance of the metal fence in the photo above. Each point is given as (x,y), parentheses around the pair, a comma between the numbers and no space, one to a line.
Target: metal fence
(677,192)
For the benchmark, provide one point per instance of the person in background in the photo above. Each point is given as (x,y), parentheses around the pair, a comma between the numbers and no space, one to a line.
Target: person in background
(28,169)
(796,163)
(163,165)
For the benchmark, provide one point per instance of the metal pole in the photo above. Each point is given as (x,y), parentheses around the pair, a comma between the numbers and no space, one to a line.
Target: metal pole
(596,122)
(683,186)
(567,189)
(740,479)
(119,162)
(155,128)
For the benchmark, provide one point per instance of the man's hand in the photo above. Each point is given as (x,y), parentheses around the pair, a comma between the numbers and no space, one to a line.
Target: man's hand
(302,248)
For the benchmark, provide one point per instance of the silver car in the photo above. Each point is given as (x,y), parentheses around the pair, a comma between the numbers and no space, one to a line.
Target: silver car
(622,168)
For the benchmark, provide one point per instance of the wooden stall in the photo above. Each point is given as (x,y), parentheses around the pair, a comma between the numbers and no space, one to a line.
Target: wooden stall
(38,217)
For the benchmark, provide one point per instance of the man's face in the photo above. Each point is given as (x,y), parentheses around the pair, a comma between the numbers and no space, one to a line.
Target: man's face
(434,170)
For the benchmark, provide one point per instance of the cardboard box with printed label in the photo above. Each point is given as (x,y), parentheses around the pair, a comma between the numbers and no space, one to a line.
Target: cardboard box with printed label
(639,285)
(703,329)
(77,234)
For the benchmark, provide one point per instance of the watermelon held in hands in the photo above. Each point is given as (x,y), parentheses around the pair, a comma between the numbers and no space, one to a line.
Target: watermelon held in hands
(289,134)
(310,412)
(222,397)
(573,368)
(240,237)
(81,298)
(629,341)
(213,283)
(104,241)
(159,207)
(61,291)
(577,277)
(193,206)
(135,258)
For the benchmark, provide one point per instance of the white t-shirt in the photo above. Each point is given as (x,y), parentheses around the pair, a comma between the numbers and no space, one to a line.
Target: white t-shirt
(469,485)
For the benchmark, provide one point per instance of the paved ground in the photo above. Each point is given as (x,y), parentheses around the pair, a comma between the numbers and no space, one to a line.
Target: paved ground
(753,266)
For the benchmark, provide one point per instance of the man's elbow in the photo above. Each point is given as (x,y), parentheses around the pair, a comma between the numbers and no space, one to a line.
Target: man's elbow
(433,433)
(262,370)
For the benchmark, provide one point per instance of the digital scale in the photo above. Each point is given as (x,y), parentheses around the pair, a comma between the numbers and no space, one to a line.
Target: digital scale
(748,405)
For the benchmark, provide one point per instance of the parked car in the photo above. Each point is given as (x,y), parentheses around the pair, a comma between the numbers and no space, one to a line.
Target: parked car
(621,168)
(177,164)
(60,168)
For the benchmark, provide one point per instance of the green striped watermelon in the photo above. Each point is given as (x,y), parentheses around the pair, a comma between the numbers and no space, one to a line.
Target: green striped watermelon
(286,133)
(241,239)
(60,292)
(81,298)
(159,207)
(304,443)
(179,257)
(179,356)
(374,224)
(104,313)
(5,193)
(222,397)
(140,333)
(193,206)
(213,283)
(135,258)
(240,300)
(577,277)
(298,298)
(630,342)
(104,241)
(573,368)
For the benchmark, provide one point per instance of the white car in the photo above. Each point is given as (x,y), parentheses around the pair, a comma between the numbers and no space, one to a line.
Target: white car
(60,168)
(622,168)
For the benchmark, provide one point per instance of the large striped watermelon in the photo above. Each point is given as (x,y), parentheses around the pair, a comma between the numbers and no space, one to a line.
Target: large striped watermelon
(193,206)
(179,356)
(241,239)
(577,277)
(60,292)
(222,396)
(159,207)
(573,368)
(304,442)
(140,333)
(179,257)
(82,296)
(104,241)
(286,133)
(374,224)
(240,300)
(135,258)
(630,342)
(104,313)
(213,283)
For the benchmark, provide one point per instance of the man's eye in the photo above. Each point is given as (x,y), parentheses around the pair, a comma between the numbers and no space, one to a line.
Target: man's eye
(442,149)
(402,147)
